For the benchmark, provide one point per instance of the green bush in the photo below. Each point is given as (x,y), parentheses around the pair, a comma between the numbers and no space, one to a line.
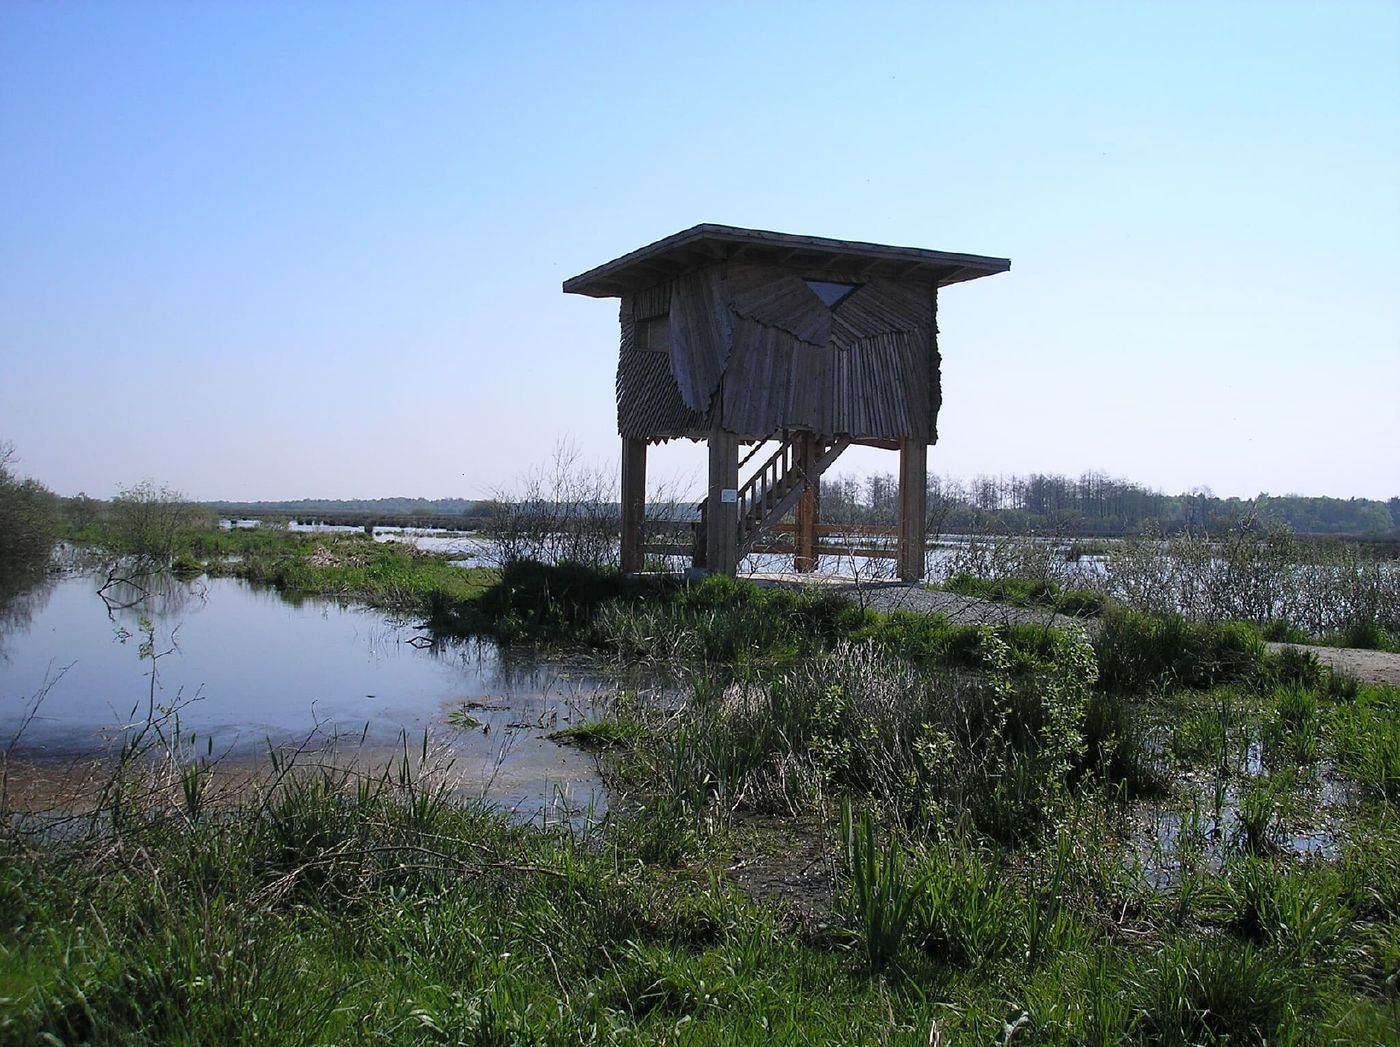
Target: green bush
(1001,745)
(1028,592)
(28,524)
(1140,652)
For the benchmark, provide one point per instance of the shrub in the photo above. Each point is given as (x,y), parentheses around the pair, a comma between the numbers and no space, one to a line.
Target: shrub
(149,522)
(1139,652)
(28,522)
(1001,745)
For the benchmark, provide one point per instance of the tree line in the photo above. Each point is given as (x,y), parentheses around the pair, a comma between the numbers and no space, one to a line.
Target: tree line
(1097,504)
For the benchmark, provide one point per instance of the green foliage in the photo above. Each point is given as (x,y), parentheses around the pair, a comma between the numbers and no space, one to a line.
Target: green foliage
(537,602)
(150,522)
(1117,748)
(1002,745)
(970,918)
(1295,732)
(1139,652)
(1257,817)
(1278,630)
(325,905)
(1366,741)
(28,523)
(1218,992)
(611,732)
(1296,913)
(1203,733)
(1029,592)
(881,897)
(351,566)
(1294,665)
(1368,634)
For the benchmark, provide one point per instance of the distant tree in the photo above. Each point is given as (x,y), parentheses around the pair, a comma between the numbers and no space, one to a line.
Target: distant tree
(28,518)
(147,521)
(81,512)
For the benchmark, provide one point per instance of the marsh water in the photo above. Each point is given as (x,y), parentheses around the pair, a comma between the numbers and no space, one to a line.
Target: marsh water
(245,667)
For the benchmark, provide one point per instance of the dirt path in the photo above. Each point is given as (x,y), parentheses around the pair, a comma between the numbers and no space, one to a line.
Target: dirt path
(1364,665)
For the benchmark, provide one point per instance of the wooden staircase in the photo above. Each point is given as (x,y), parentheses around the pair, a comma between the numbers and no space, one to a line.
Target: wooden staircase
(773,489)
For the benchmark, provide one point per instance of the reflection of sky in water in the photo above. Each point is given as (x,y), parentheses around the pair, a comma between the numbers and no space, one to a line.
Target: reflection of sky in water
(247,665)
(1203,828)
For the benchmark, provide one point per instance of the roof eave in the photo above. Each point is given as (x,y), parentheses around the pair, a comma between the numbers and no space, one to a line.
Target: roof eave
(706,243)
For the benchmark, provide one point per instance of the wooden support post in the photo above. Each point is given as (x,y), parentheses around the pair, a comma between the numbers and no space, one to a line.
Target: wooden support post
(634,503)
(913,508)
(722,517)
(804,559)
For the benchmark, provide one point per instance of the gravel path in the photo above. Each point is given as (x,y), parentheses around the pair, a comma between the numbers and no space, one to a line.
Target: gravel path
(1364,665)
(1367,666)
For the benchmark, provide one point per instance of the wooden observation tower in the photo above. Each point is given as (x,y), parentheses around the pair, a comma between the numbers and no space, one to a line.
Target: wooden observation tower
(738,336)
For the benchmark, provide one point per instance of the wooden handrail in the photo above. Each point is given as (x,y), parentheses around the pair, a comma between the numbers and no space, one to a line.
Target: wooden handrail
(855,530)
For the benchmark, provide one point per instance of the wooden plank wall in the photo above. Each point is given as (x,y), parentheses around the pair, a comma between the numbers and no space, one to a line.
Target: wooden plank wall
(649,403)
(779,358)
(935,363)
(700,335)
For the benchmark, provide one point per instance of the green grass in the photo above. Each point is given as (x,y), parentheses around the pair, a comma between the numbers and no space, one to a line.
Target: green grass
(1366,741)
(612,732)
(386,574)
(346,566)
(333,908)
(1140,653)
(1368,635)
(882,899)
(994,878)
(1029,592)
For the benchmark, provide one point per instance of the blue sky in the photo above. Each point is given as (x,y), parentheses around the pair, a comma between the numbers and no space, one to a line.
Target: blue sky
(268,251)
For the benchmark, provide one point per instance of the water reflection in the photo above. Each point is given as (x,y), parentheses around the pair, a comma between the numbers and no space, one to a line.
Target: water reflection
(243,667)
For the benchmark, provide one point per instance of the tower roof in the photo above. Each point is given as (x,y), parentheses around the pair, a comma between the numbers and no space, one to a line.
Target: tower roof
(706,243)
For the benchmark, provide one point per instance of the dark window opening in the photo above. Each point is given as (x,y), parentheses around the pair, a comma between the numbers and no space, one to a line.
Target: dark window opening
(833,294)
(654,334)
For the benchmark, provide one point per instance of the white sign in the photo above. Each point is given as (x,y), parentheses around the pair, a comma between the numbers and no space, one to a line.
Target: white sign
(728,494)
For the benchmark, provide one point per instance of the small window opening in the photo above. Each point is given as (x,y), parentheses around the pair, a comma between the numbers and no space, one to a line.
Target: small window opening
(654,335)
(833,294)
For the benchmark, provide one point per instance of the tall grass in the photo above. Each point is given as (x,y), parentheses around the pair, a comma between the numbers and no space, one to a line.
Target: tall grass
(1220,992)
(1001,745)
(1140,653)
(1366,741)
(881,895)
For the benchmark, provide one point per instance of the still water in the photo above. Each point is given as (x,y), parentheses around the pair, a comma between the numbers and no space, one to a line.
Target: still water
(246,666)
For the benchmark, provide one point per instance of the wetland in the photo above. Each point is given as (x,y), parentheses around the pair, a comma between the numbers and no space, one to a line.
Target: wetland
(830,823)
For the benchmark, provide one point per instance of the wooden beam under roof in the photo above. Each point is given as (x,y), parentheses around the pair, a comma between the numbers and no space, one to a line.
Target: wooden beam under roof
(689,248)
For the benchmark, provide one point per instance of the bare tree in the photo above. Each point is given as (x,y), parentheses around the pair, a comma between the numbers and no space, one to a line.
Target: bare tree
(563,510)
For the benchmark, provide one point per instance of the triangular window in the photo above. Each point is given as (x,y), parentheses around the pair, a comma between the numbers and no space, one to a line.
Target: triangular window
(833,294)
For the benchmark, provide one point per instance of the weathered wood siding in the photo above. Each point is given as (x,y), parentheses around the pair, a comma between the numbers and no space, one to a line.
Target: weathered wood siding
(700,335)
(756,344)
(649,403)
